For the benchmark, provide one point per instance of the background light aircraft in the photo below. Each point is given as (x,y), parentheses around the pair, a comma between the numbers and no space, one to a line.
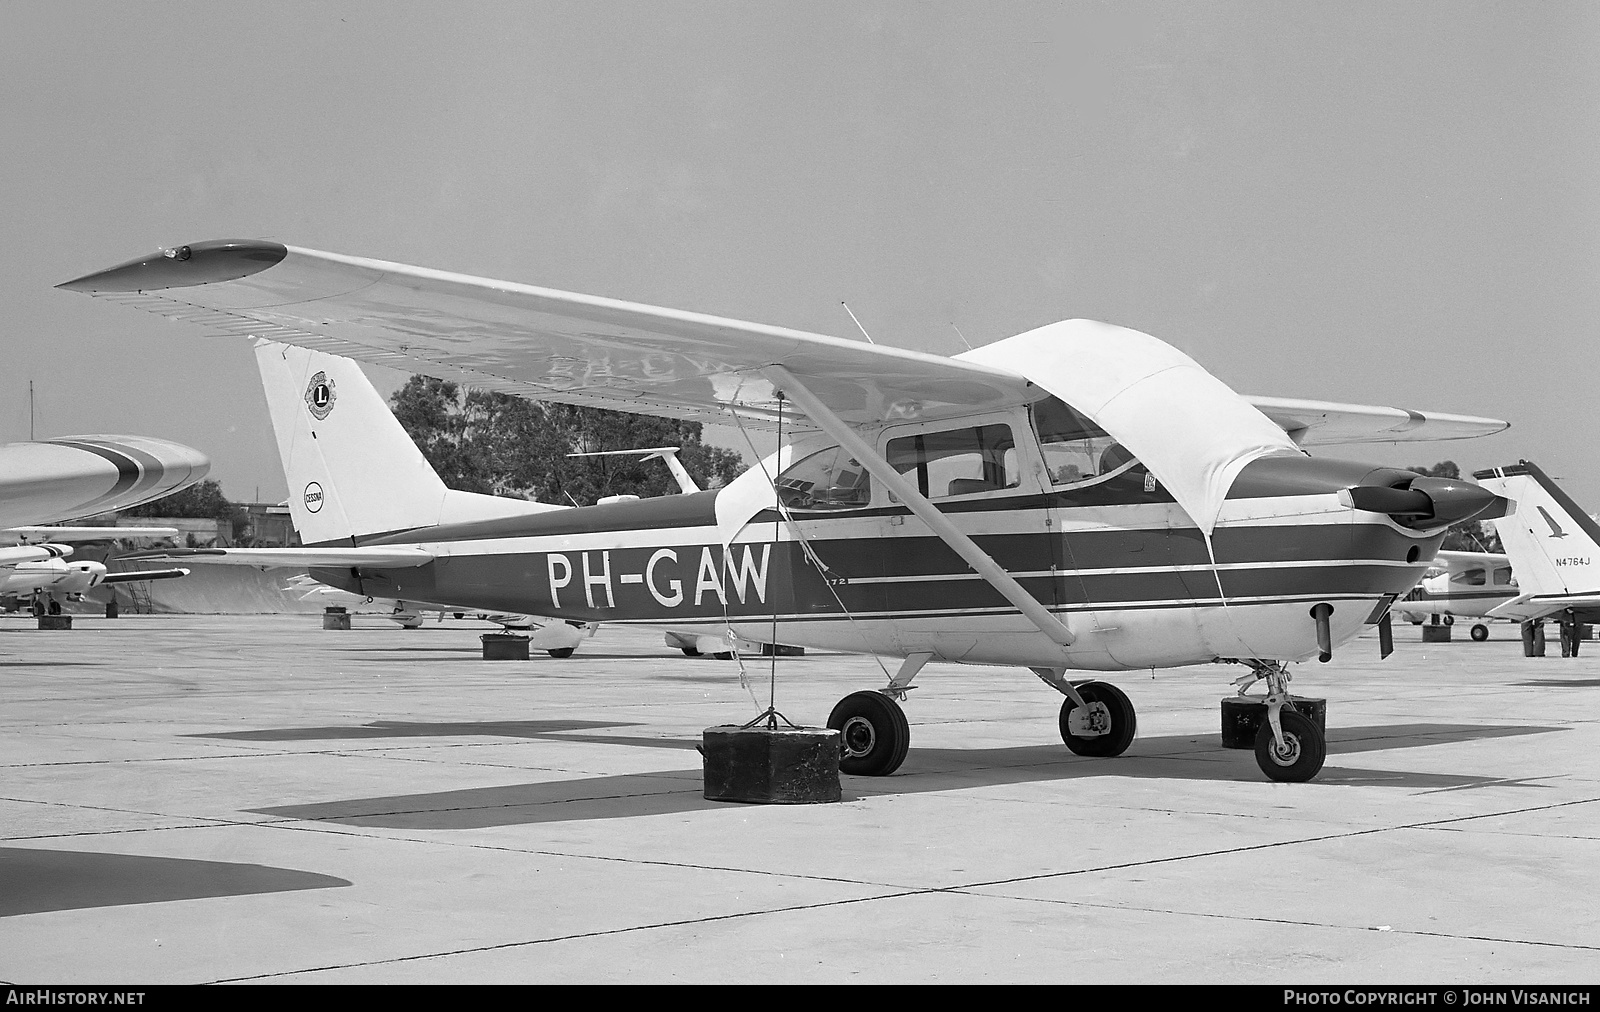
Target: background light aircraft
(47,582)
(1460,585)
(1555,549)
(58,479)
(1077,497)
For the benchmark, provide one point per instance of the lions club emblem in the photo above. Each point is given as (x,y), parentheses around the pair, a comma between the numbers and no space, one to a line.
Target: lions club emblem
(320,396)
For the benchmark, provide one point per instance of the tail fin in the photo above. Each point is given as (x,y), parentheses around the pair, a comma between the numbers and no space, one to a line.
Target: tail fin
(1553,545)
(352,470)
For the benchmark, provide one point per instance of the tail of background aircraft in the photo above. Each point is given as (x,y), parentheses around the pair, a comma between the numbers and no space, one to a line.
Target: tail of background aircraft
(1553,544)
(352,470)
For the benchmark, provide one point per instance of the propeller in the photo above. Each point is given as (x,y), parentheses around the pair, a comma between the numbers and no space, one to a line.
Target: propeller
(1425,502)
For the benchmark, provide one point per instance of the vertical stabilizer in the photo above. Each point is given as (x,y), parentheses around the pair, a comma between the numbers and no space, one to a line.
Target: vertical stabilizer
(1553,545)
(352,469)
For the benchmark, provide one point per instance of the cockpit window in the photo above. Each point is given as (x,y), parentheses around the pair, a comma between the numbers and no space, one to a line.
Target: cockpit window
(978,458)
(828,480)
(1470,578)
(1075,449)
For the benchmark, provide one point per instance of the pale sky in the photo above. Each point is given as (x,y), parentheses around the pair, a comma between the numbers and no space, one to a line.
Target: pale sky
(1388,203)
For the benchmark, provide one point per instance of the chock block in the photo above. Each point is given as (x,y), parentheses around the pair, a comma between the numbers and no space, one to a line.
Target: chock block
(55,621)
(335,618)
(1242,718)
(786,766)
(504,647)
(1436,633)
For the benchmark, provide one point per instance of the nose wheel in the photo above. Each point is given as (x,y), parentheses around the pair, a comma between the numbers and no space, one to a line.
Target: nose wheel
(874,734)
(1298,756)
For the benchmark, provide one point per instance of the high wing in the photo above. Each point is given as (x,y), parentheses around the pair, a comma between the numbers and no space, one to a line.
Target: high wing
(57,534)
(365,558)
(537,342)
(75,476)
(1320,423)
(1454,561)
(598,352)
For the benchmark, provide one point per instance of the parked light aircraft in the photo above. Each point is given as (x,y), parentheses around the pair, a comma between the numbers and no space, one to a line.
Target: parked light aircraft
(1460,585)
(1077,497)
(1554,547)
(58,479)
(47,582)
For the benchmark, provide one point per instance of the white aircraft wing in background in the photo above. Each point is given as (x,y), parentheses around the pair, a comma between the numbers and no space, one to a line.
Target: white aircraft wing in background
(58,534)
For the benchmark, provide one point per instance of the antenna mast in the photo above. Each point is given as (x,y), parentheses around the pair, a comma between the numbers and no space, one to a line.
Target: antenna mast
(859,327)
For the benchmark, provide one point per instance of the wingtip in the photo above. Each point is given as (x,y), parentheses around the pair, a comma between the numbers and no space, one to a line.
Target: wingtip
(201,263)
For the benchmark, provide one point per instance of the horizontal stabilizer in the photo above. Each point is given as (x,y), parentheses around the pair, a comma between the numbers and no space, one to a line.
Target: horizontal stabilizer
(1532,606)
(297,558)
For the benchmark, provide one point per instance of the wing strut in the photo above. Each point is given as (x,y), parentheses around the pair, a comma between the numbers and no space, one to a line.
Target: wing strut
(929,514)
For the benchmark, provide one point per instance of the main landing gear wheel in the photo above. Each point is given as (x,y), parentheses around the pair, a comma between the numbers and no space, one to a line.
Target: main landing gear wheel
(690,651)
(560,652)
(1112,740)
(1480,632)
(1303,751)
(873,734)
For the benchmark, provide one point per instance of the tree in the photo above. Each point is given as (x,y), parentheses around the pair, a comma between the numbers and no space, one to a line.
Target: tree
(496,443)
(1471,536)
(202,499)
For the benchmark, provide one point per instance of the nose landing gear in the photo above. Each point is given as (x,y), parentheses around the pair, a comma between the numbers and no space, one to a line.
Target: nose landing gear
(1289,746)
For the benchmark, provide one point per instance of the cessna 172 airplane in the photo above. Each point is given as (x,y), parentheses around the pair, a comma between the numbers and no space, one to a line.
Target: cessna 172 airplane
(1460,585)
(57,479)
(1080,497)
(1554,547)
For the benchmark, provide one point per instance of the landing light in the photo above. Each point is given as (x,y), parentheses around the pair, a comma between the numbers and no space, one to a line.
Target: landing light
(176,253)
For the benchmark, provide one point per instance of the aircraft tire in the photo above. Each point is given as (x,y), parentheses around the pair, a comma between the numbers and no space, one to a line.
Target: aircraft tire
(1124,721)
(874,734)
(690,651)
(1304,751)
(722,655)
(1480,632)
(561,652)
(1449,620)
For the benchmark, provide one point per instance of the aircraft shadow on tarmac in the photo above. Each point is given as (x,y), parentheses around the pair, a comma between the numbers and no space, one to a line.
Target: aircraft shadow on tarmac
(35,881)
(1562,683)
(1171,757)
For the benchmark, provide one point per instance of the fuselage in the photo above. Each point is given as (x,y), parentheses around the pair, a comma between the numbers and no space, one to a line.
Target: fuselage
(1116,558)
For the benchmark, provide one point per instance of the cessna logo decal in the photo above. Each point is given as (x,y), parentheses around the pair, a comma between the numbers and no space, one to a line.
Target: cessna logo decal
(737,577)
(320,396)
(314,497)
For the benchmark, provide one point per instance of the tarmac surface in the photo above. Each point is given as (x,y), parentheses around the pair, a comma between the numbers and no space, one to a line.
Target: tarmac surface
(212,798)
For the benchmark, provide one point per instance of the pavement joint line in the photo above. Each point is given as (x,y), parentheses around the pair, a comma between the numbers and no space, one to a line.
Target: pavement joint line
(1429,824)
(1295,923)
(499,946)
